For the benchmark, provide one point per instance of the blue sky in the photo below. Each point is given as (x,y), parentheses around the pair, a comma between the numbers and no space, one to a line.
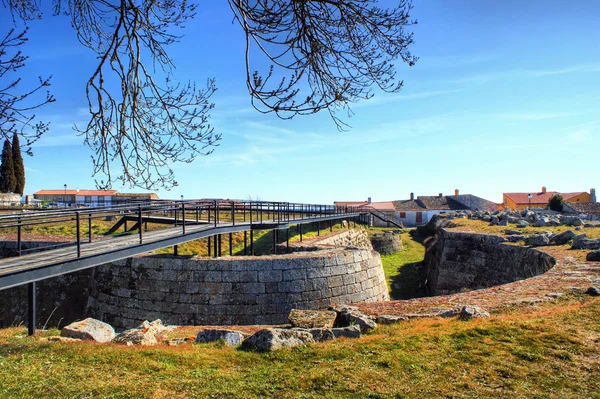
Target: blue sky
(505,98)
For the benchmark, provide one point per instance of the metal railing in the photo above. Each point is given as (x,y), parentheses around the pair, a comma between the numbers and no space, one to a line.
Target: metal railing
(174,213)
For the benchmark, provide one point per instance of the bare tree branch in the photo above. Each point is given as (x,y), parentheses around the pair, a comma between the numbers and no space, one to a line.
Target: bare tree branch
(17,106)
(325,54)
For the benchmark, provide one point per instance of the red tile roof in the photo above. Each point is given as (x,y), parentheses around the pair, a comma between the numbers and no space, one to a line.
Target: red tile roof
(539,198)
(381,206)
(76,192)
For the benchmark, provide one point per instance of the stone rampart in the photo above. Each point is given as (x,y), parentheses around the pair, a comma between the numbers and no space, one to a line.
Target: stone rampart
(457,261)
(237,290)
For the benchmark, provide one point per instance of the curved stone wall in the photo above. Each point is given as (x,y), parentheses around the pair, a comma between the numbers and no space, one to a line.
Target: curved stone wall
(387,243)
(234,290)
(457,261)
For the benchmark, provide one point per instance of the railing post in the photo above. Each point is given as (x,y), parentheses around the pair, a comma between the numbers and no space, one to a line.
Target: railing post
(183,218)
(245,242)
(233,213)
(209,245)
(78,235)
(175,214)
(251,220)
(18,236)
(230,244)
(197,214)
(275,241)
(90,228)
(252,242)
(140,222)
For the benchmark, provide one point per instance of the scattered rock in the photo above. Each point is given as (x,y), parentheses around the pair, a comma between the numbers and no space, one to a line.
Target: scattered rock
(593,291)
(537,240)
(312,318)
(472,312)
(494,221)
(271,339)
(516,238)
(522,224)
(230,337)
(390,319)
(582,242)
(89,329)
(578,228)
(511,232)
(593,256)
(145,334)
(179,341)
(503,222)
(562,238)
(321,334)
(347,332)
(136,336)
(362,320)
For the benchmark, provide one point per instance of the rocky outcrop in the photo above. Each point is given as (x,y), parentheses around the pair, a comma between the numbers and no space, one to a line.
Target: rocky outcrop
(457,261)
(89,329)
(593,256)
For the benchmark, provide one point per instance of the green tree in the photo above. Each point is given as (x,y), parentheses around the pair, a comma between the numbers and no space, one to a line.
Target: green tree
(7,171)
(18,165)
(556,202)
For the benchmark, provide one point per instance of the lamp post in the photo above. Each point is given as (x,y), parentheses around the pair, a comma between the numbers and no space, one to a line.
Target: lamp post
(65,199)
(529,196)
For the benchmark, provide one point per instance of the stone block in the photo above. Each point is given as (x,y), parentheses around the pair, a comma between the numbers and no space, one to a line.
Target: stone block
(270,276)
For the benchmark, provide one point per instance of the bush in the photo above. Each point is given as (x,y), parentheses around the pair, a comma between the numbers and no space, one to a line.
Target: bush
(556,202)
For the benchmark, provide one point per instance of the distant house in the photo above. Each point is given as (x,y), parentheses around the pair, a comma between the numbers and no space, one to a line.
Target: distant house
(517,201)
(419,210)
(89,197)
(343,204)
(585,210)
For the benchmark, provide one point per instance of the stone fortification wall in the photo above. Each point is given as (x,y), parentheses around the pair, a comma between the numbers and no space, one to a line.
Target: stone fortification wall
(457,261)
(61,299)
(236,290)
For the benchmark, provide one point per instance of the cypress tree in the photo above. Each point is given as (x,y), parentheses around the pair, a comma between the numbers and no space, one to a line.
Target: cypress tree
(7,171)
(18,165)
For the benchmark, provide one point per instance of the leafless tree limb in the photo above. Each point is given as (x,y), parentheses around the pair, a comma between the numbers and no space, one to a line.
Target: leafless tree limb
(17,106)
(324,54)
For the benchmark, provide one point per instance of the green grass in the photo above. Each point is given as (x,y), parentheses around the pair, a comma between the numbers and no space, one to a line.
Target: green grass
(403,271)
(550,352)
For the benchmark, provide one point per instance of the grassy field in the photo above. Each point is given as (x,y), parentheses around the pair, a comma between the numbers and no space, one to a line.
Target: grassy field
(551,351)
(402,269)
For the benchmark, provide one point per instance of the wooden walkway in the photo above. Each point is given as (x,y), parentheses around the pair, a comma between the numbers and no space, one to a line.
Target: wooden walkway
(54,262)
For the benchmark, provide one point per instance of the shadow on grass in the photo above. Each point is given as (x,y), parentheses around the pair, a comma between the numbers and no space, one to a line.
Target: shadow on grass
(408,280)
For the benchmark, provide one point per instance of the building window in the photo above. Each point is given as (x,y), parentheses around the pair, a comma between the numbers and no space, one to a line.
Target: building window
(88,199)
(402,215)
(101,199)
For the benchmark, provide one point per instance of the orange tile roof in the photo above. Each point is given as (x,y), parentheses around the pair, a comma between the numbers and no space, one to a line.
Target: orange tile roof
(76,192)
(539,198)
